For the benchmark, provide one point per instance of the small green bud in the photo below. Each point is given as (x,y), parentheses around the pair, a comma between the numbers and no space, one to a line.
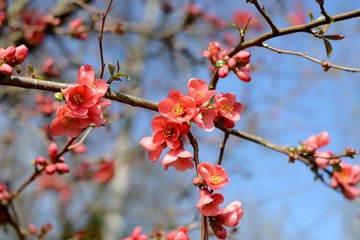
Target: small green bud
(58,96)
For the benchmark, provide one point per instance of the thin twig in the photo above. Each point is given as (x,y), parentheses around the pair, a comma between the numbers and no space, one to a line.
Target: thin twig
(222,147)
(101,37)
(204,228)
(328,65)
(262,11)
(195,146)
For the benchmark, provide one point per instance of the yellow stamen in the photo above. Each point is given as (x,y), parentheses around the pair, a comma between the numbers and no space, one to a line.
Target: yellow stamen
(227,107)
(178,110)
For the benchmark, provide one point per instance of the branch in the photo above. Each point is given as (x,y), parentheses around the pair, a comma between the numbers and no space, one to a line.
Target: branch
(262,11)
(32,83)
(326,65)
(101,36)
(295,29)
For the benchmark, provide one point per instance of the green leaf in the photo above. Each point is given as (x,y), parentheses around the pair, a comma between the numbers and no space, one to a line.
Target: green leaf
(219,63)
(311,15)
(236,27)
(40,77)
(111,68)
(328,48)
(30,69)
(334,36)
(17,69)
(337,168)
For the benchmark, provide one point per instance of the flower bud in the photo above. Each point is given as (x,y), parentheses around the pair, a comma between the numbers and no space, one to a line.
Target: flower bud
(243,57)
(41,160)
(9,54)
(21,54)
(5,69)
(50,169)
(62,168)
(231,63)
(223,71)
(53,151)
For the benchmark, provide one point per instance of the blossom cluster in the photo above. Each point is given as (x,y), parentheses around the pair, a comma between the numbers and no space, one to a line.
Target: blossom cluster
(212,178)
(346,177)
(55,163)
(11,57)
(177,111)
(83,104)
(239,63)
(180,234)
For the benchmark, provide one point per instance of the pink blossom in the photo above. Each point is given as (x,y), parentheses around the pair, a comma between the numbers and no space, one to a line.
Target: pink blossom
(49,68)
(215,177)
(95,112)
(180,234)
(231,215)
(180,159)
(46,104)
(66,122)
(241,17)
(199,90)
(226,106)
(213,52)
(218,229)
(136,235)
(77,29)
(208,203)
(177,107)
(317,141)
(105,172)
(86,76)
(205,117)
(154,150)
(322,159)
(347,179)
(167,132)
(79,98)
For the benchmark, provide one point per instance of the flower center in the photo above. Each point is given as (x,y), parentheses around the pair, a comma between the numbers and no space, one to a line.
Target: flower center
(168,132)
(215,178)
(178,110)
(77,98)
(227,107)
(68,121)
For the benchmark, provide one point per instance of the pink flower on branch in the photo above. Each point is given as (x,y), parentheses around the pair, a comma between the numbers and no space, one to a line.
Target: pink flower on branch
(180,234)
(67,122)
(84,104)
(177,107)
(199,90)
(167,132)
(231,215)
(154,150)
(77,29)
(227,107)
(208,203)
(205,118)
(347,179)
(317,141)
(215,177)
(136,235)
(180,159)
